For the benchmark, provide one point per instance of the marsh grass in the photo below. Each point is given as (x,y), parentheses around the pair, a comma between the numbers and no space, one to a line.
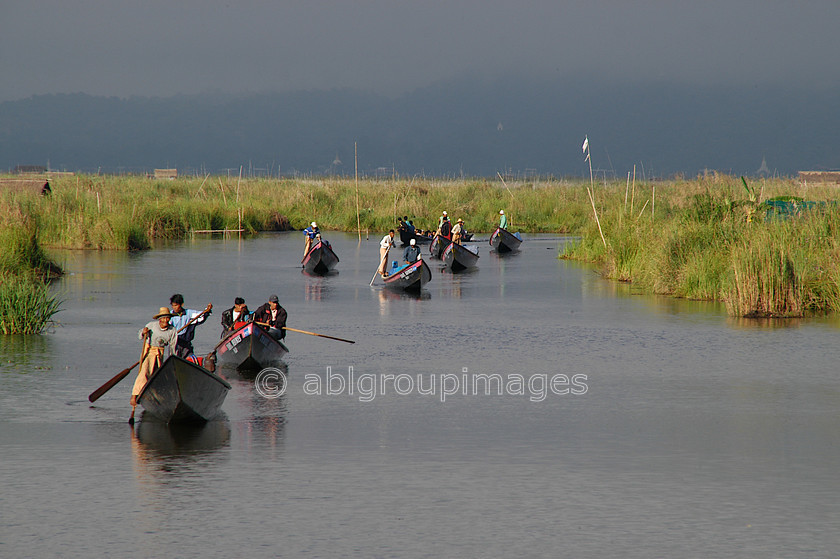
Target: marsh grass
(710,239)
(27,305)
(704,238)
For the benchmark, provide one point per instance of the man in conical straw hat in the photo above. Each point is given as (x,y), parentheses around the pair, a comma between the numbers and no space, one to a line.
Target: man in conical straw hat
(156,335)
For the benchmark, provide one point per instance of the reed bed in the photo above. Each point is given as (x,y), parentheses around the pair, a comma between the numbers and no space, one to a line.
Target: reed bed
(716,240)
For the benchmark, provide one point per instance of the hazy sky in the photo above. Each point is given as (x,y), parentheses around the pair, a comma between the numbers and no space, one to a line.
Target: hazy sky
(164,47)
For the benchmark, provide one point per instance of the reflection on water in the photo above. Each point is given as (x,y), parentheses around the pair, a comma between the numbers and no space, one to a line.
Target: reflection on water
(163,445)
(317,287)
(21,353)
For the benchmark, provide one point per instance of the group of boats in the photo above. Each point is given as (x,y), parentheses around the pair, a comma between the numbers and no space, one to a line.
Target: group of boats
(187,390)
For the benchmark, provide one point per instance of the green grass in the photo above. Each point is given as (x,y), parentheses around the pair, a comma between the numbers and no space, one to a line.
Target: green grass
(704,238)
(26,305)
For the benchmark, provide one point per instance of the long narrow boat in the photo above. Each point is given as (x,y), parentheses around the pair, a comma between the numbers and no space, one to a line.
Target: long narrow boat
(504,241)
(249,347)
(320,259)
(411,277)
(459,257)
(438,245)
(406,236)
(181,392)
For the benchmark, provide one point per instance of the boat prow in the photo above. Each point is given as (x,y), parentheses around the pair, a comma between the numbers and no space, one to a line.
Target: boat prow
(249,347)
(320,259)
(504,241)
(180,391)
(459,257)
(411,277)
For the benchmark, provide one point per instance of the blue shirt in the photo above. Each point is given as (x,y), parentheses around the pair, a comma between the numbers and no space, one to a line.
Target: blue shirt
(311,232)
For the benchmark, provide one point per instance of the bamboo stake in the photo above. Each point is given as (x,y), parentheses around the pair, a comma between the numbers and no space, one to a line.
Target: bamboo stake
(222,188)
(598,221)
(356,161)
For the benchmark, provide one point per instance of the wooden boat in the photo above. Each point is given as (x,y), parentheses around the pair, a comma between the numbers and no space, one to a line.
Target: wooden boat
(459,257)
(180,391)
(320,259)
(411,277)
(438,245)
(406,236)
(504,241)
(249,347)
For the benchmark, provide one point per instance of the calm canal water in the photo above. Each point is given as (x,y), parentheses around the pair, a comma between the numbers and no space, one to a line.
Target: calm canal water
(683,433)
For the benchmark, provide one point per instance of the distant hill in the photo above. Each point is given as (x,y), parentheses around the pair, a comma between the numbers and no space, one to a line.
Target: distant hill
(463,127)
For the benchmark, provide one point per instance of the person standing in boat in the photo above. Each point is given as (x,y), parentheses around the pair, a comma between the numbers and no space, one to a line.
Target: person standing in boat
(237,314)
(311,232)
(445,229)
(273,316)
(180,318)
(458,231)
(411,252)
(502,220)
(384,247)
(156,335)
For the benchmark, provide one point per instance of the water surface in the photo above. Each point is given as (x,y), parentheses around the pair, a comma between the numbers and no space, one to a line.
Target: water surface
(698,435)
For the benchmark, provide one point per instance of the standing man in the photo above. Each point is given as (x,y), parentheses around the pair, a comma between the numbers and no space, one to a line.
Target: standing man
(503,220)
(274,316)
(384,247)
(156,335)
(180,318)
(457,231)
(411,252)
(237,313)
(311,232)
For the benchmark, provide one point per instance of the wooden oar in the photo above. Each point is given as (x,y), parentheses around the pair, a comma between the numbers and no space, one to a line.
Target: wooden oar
(310,333)
(96,394)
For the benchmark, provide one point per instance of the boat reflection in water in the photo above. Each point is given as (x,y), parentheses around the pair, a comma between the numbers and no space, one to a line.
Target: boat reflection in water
(177,448)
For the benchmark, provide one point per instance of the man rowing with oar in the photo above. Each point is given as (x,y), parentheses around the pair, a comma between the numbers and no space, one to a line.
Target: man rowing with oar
(274,316)
(180,318)
(156,335)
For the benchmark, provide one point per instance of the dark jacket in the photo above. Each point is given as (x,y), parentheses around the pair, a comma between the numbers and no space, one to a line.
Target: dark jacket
(227,319)
(411,253)
(263,314)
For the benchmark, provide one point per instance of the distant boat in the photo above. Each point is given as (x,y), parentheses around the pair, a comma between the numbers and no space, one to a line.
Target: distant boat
(249,347)
(320,259)
(180,391)
(411,277)
(459,257)
(406,236)
(504,241)
(439,243)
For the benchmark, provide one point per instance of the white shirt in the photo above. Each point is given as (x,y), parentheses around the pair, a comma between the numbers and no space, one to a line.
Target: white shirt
(387,241)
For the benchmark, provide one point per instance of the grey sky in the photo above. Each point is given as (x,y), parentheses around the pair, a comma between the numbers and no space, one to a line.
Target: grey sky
(164,47)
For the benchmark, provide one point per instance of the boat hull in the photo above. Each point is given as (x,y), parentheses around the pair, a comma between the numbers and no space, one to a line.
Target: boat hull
(406,236)
(438,245)
(249,347)
(504,241)
(410,278)
(320,259)
(182,392)
(458,257)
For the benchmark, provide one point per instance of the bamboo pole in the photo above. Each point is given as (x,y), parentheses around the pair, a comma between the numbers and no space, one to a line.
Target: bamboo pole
(598,221)
(356,163)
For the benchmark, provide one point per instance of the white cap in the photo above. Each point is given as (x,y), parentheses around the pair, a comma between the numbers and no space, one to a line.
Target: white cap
(501,211)
(444,212)
(413,242)
(313,224)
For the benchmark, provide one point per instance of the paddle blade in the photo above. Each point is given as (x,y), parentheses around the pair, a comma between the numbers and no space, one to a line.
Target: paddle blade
(94,396)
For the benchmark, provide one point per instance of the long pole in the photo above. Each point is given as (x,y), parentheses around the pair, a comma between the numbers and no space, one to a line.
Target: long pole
(356,162)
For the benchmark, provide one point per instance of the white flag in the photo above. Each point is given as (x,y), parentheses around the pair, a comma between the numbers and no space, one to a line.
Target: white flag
(585,144)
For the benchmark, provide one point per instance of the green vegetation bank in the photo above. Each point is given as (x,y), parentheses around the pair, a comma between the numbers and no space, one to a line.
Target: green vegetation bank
(705,238)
